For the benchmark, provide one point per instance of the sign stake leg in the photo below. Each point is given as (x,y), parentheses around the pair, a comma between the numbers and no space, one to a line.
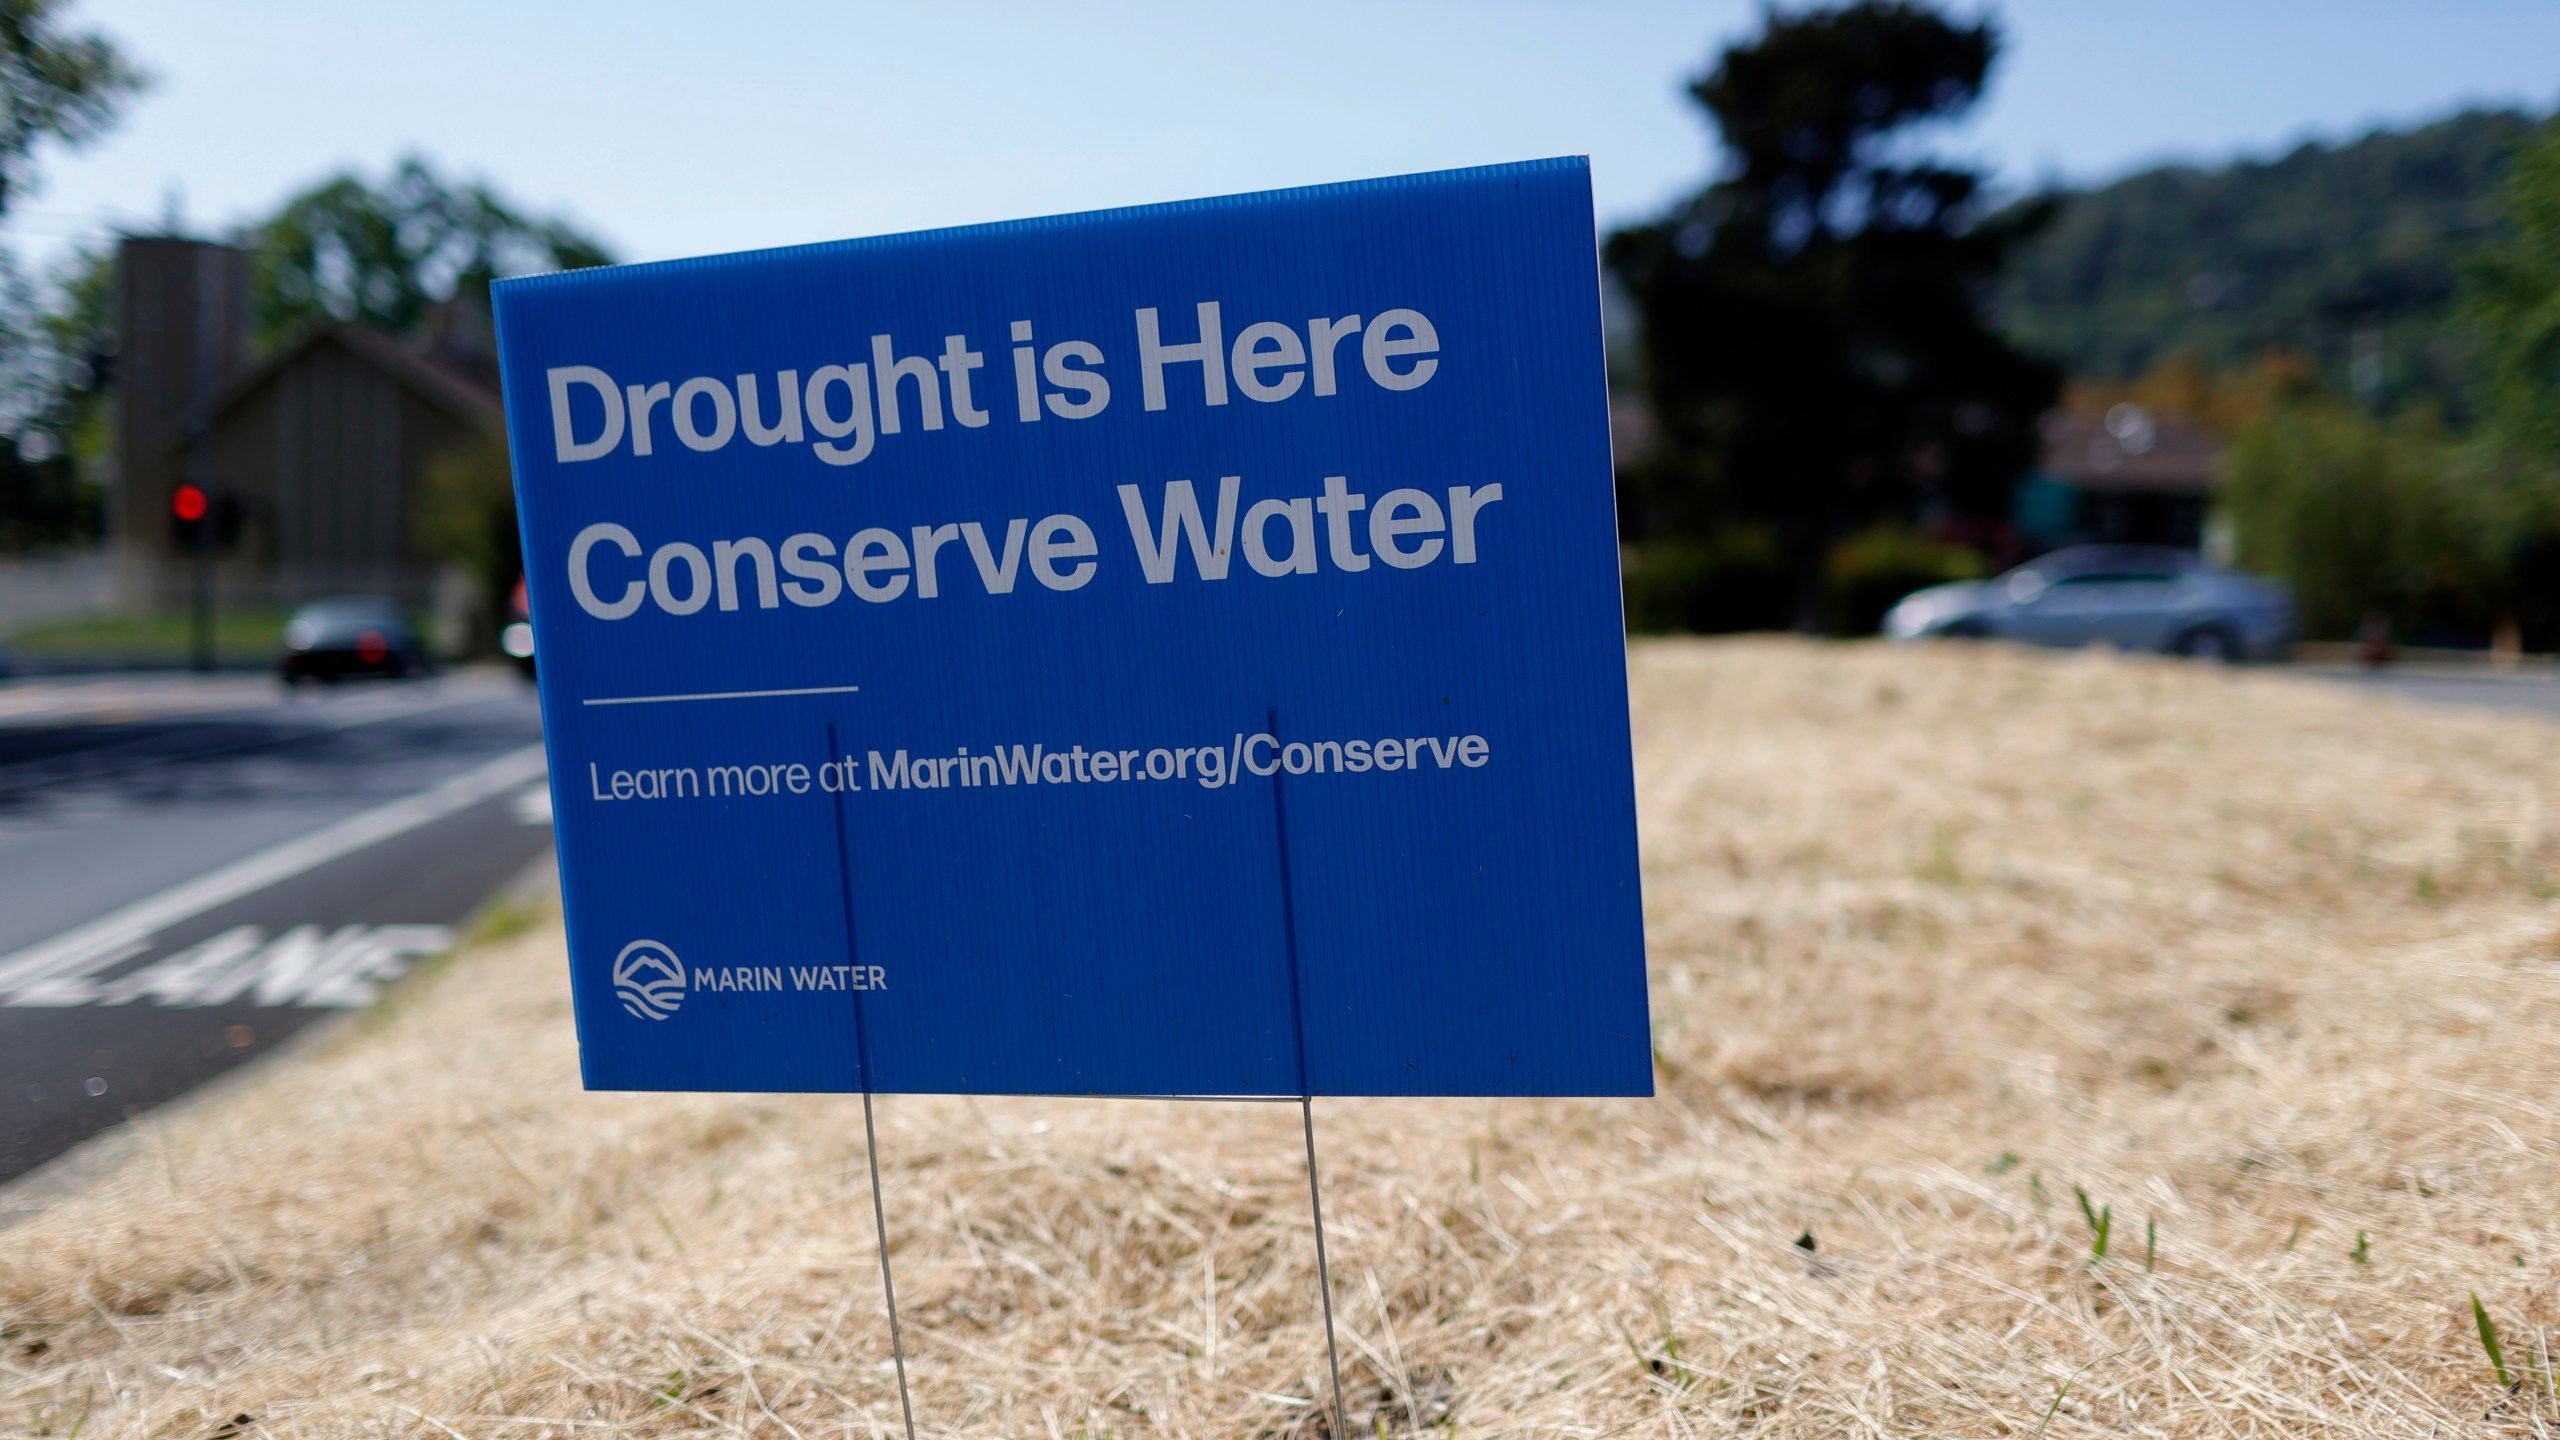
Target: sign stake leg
(889,1287)
(1306,1087)
(870,1132)
(1324,1276)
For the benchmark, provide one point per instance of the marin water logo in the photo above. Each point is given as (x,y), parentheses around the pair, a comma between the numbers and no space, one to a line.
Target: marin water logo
(649,978)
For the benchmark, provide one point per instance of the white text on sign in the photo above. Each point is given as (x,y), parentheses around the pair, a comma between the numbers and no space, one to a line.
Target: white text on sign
(848,406)
(1404,529)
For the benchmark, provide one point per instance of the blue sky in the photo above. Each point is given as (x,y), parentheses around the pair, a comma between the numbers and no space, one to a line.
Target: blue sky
(676,129)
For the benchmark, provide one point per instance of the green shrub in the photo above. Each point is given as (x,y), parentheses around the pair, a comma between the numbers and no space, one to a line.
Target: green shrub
(2363,517)
(466,514)
(1731,581)
(1726,582)
(1866,573)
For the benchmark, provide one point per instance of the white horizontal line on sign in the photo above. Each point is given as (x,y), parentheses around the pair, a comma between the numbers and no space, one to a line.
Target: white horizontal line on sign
(721,695)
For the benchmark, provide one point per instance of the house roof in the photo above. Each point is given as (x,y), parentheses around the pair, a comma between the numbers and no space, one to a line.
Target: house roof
(437,381)
(2126,451)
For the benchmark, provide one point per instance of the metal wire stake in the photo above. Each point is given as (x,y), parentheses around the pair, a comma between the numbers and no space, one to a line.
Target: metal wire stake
(870,1133)
(1324,1277)
(889,1287)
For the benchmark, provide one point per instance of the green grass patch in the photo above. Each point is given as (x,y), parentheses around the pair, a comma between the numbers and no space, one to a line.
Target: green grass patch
(507,917)
(240,633)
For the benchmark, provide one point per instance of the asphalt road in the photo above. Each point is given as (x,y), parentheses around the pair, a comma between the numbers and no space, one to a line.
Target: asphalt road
(192,869)
(2535,689)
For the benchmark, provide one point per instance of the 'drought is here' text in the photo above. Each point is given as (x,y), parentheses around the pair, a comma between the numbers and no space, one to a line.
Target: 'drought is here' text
(841,407)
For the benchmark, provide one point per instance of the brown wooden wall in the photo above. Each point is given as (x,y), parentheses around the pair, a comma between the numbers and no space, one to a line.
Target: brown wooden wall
(329,455)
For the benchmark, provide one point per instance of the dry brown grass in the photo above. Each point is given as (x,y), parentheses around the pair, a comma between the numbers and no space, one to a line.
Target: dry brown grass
(1937,937)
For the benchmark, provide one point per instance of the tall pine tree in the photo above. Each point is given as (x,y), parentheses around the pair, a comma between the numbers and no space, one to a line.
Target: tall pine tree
(1816,339)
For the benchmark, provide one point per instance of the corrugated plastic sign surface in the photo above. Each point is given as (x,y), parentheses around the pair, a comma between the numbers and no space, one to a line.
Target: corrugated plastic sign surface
(1162,651)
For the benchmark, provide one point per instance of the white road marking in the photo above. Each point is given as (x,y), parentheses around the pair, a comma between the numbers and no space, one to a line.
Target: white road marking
(103,941)
(340,970)
(532,805)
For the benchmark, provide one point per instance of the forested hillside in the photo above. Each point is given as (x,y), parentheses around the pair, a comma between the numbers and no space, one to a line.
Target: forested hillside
(2302,252)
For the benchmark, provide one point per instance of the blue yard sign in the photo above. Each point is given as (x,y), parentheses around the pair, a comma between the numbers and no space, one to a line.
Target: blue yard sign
(1169,651)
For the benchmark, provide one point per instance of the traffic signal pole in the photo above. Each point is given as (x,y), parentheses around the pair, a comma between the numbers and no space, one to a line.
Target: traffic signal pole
(192,509)
(203,622)
(197,493)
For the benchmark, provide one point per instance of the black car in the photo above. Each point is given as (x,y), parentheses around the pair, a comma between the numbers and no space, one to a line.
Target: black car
(329,640)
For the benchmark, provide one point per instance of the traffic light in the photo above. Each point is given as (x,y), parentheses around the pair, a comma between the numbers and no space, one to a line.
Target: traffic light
(197,518)
(188,507)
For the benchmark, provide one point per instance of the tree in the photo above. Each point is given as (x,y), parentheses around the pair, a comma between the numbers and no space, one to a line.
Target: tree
(414,257)
(2512,297)
(466,514)
(2365,517)
(66,88)
(1815,341)
(53,86)
(53,415)
(349,252)
(2319,251)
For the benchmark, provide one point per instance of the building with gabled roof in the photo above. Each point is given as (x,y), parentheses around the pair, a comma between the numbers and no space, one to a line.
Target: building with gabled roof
(2124,476)
(324,450)
(316,457)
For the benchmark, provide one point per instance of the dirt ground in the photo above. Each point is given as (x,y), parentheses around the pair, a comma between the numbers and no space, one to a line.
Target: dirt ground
(1967,965)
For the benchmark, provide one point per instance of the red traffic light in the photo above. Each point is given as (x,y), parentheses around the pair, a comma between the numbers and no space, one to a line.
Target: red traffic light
(188,503)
